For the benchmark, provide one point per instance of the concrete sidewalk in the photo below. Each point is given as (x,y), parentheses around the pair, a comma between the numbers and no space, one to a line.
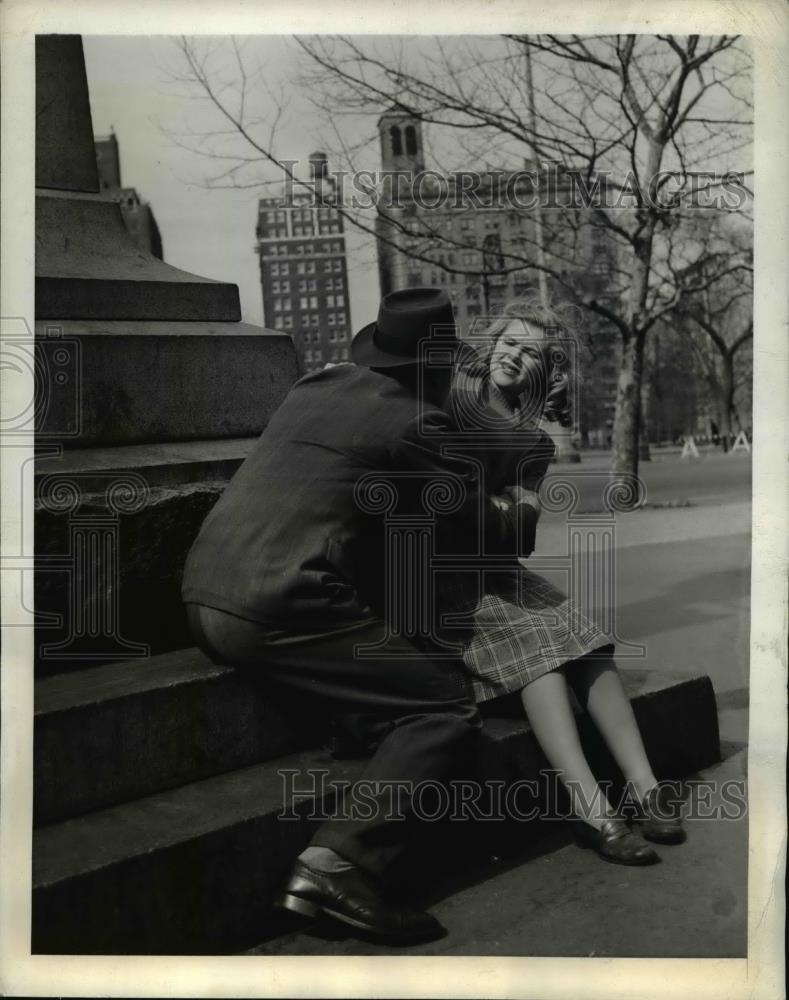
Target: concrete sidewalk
(556,899)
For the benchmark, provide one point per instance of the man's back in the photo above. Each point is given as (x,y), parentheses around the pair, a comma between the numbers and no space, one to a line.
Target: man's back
(282,544)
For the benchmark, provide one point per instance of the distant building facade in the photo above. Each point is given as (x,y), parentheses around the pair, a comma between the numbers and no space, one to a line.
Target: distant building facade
(137,214)
(483,234)
(303,271)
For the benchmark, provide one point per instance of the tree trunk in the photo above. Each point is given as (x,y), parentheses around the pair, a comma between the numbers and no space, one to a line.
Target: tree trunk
(728,389)
(725,400)
(624,459)
(646,398)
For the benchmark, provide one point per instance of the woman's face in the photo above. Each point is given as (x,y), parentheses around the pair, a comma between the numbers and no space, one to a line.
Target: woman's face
(516,362)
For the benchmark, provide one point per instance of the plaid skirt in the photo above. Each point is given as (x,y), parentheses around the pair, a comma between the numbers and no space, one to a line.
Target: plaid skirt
(519,628)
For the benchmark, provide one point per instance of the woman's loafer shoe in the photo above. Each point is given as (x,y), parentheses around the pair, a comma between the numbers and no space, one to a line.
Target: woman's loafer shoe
(615,842)
(351,897)
(660,819)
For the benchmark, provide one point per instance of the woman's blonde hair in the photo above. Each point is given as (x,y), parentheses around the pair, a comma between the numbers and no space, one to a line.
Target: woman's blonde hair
(557,349)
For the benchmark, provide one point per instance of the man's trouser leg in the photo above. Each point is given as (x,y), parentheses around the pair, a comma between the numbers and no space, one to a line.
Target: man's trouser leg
(425,726)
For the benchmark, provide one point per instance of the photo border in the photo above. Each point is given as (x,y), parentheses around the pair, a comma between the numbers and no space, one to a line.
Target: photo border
(761,975)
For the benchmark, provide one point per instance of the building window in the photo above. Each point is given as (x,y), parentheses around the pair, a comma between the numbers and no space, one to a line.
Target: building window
(288,322)
(331,321)
(274,286)
(397,142)
(277,322)
(330,301)
(275,267)
(305,320)
(410,140)
(308,355)
(313,301)
(300,267)
(312,285)
(303,302)
(277,305)
(317,355)
(286,305)
(303,285)
(310,267)
(344,353)
(327,266)
(341,300)
(316,319)
(341,317)
(284,269)
(338,265)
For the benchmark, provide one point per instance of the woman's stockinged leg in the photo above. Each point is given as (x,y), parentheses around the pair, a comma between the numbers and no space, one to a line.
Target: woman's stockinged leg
(598,687)
(550,714)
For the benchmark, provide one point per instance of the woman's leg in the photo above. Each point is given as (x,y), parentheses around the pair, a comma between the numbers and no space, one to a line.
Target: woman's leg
(548,708)
(598,687)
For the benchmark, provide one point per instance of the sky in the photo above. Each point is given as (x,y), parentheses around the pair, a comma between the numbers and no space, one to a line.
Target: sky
(134,91)
(208,232)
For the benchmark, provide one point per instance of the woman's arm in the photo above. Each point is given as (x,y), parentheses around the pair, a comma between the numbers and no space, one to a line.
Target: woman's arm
(524,492)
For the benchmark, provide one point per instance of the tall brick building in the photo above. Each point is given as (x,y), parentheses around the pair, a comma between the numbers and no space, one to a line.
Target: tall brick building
(454,231)
(303,271)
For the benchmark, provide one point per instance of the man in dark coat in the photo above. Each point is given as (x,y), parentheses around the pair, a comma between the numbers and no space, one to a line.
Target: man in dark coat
(283,580)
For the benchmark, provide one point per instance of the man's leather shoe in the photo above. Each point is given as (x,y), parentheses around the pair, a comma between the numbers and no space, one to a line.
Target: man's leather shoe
(660,819)
(351,897)
(616,843)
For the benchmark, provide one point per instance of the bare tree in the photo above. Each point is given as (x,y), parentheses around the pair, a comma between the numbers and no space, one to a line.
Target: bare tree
(644,128)
(716,313)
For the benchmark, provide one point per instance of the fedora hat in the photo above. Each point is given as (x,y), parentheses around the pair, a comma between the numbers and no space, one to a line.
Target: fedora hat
(405,319)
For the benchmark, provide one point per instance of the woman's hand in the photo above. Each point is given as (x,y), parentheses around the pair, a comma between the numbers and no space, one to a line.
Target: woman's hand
(519,495)
(501,503)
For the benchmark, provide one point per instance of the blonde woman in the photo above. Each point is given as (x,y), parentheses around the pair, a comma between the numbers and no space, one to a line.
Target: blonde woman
(526,635)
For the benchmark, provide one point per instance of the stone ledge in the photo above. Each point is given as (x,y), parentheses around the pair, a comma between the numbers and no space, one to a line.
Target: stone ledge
(117,383)
(168,463)
(134,591)
(193,870)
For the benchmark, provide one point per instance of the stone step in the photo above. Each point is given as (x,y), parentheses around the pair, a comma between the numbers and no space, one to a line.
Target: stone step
(158,722)
(169,381)
(168,463)
(193,870)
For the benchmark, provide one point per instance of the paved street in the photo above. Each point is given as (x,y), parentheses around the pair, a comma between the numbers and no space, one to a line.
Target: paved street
(682,593)
(713,478)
